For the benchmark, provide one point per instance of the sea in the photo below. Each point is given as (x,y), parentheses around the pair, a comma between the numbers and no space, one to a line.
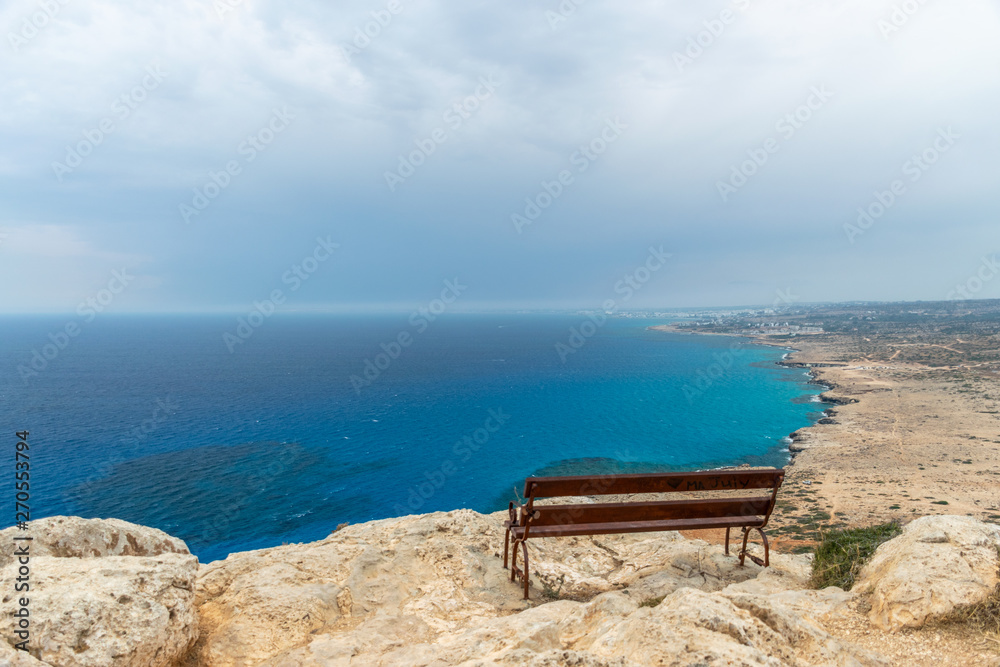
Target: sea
(235,435)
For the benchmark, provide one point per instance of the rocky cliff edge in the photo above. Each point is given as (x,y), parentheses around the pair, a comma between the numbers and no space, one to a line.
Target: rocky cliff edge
(431,590)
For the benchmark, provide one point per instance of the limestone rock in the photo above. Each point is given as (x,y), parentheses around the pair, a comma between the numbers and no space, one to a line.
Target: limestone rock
(73,537)
(786,573)
(938,564)
(701,627)
(649,564)
(89,608)
(10,657)
(426,591)
(434,573)
(797,615)
(430,590)
(688,627)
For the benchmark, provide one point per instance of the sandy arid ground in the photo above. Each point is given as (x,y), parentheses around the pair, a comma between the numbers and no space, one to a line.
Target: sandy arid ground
(908,438)
(919,440)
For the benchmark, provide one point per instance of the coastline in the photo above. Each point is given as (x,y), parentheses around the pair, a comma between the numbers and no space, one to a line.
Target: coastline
(785,361)
(902,440)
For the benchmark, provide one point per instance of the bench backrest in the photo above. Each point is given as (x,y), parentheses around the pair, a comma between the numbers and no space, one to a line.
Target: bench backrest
(736,504)
(704,480)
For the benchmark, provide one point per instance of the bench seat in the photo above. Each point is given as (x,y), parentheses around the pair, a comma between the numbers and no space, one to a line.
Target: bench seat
(620,527)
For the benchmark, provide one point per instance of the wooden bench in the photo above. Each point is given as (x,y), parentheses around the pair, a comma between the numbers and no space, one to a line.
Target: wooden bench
(736,509)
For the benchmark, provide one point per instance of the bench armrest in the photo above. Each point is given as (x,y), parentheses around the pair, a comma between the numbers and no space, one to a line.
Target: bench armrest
(519,514)
(513,511)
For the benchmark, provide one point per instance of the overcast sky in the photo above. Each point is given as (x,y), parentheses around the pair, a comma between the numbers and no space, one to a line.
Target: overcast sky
(629,126)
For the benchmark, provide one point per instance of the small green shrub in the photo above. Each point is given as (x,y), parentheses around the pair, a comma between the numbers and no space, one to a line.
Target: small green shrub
(549,590)
(652,602)
(841,553)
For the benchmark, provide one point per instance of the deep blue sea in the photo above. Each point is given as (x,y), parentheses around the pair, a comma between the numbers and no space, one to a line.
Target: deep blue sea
(153,420)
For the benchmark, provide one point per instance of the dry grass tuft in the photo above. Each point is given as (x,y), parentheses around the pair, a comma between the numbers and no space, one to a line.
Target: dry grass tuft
(983,617)
(841,554)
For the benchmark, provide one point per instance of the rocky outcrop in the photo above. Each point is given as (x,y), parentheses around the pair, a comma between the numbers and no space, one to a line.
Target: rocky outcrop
(938,565)
(431,573)
(688,627)
(102,592)
(73,537)
(431,590)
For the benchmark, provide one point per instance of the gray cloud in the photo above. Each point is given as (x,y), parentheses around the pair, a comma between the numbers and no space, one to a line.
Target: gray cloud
(689,125)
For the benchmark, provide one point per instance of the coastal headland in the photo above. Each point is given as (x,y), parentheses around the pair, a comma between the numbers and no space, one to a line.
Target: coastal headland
(915,425)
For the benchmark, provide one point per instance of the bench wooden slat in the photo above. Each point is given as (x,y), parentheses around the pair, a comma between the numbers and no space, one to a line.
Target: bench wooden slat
(549,515)
(595,485)
(638,526)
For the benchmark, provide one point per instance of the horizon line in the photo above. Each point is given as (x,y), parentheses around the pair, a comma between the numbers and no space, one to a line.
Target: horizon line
(396,309)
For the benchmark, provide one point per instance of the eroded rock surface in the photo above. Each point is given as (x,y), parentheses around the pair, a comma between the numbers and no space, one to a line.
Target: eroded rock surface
(430,590)
(89,608)
(73,537)
(938,564)
(10,657)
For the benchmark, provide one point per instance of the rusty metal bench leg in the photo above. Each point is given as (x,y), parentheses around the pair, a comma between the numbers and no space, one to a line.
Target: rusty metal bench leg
(524,546)
(767,548)
(514,569)
(727,541)
(506,547)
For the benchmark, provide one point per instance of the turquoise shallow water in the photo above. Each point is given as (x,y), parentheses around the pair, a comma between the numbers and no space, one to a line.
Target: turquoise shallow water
(154,420)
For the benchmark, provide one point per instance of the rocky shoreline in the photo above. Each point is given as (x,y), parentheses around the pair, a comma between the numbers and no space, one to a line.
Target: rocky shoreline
(903,439)
(798,436)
